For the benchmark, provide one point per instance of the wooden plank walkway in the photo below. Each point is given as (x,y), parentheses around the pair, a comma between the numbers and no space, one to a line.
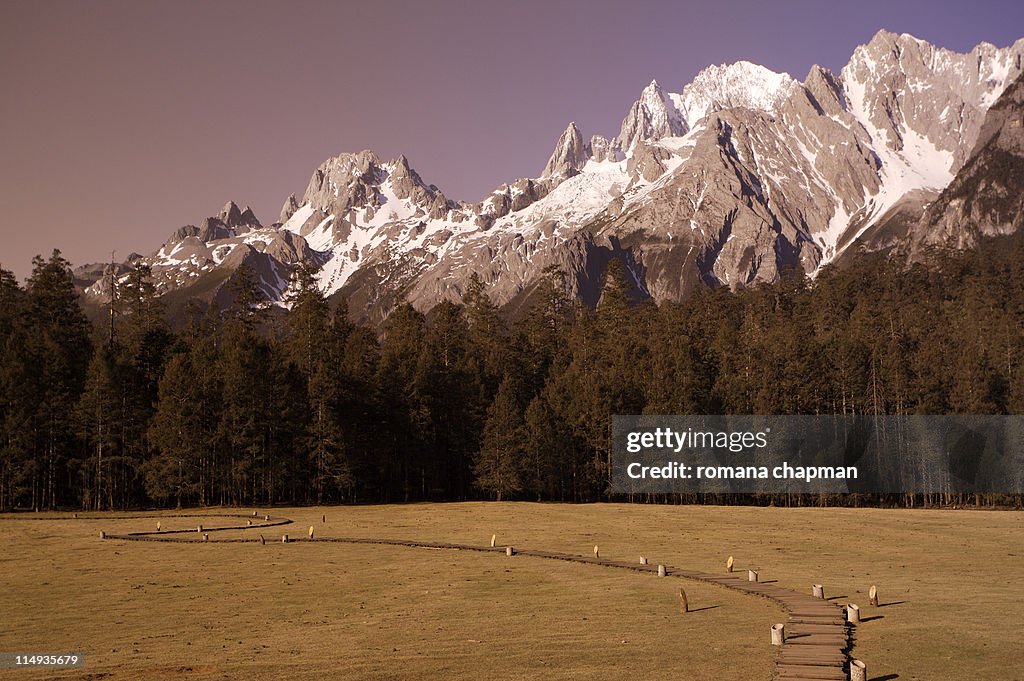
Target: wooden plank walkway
(818,639)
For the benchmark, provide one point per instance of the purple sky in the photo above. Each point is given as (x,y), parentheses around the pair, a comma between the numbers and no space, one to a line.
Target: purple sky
(122,121)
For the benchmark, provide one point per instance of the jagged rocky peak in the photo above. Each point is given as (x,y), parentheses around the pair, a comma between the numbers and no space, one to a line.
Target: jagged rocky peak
(352,181)
(248,219)
(344,181)
(404,180)
(741,84)
(825,90)
(406,183)
(236,219)
(291,204)
(901,86)
(230,214)
(570,154)
(652,117)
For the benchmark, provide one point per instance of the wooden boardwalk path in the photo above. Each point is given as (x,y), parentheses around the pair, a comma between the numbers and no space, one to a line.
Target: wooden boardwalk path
(817,637)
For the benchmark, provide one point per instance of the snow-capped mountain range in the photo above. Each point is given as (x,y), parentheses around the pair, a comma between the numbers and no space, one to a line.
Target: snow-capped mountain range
(741,174)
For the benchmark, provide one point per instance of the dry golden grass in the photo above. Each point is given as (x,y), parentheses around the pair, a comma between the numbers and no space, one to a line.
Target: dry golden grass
(948,584)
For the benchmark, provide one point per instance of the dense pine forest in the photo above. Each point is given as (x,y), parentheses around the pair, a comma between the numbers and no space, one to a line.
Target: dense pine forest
(253,406)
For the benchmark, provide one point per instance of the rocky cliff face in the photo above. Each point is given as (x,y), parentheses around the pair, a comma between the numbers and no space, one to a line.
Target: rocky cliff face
(986,197)
(654,116)
(740,176)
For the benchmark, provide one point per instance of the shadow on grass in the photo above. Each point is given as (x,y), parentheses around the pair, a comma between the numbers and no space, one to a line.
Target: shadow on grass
(706,607)
(886,605)
(769,581)
(872,618)
(887,677)
(835,598)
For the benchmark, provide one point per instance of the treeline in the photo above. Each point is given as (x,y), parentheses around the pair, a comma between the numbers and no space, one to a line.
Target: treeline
(304,407)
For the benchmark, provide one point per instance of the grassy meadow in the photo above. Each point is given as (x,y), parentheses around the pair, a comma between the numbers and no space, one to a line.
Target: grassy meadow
(948,581)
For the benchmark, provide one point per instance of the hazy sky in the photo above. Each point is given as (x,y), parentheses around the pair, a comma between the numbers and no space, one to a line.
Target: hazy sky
(121,121)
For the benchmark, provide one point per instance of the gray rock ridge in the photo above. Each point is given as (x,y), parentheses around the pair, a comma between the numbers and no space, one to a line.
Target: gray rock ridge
(825,91)
(291,205)
(986,197)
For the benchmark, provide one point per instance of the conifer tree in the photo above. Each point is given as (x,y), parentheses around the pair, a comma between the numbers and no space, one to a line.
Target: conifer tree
(404,417)
(181,432)
(18,391)
(488,348)
(99,414)
(448,388)
(499,464)
(315,345)
(59,338)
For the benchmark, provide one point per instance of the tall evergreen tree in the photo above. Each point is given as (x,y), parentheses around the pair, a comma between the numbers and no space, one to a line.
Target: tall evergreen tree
(100,413)
(18,395)
(405,417)
(499,464)
(316,346)
(182,432)
(60,344)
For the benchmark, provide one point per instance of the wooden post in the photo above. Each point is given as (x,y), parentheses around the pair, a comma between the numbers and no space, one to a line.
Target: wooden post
(263,540)
(284,538)
(200,528)
(494,538)
(873,595)
(661,571)
(249,523)
(310,531)
(103,535)
(643,560)
(751,575)
(597,554)
(76,516)
(206,537)
(158,526)
(266,518)
(684,604)
(254,514)
(818,591)
(778,634)
(728,564)
(323,518)
(852,613)
(858,671)
(509,551)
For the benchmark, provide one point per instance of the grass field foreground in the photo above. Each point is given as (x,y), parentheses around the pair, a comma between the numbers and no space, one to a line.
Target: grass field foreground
(948,583)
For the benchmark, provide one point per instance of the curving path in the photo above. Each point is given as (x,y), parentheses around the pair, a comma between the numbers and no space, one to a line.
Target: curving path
(817,641)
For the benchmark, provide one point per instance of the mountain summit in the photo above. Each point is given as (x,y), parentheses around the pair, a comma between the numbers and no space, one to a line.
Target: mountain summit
(738,176)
